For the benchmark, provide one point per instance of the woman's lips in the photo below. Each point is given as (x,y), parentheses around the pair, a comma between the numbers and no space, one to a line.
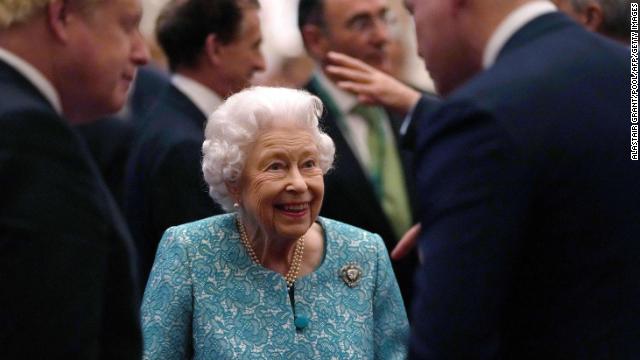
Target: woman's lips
(294,209)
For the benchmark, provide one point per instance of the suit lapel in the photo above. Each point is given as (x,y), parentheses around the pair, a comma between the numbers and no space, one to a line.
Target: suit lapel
(27,92)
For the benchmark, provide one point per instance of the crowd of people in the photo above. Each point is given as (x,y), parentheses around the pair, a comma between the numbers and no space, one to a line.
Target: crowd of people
(214,219)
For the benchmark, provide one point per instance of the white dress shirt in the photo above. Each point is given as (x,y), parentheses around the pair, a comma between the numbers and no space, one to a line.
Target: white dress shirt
(354,128)
(204,98)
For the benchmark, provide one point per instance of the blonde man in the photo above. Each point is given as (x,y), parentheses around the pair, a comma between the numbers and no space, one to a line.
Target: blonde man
(69,283)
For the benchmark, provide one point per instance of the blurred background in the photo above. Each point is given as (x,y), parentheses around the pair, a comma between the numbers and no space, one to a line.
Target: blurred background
(287,63)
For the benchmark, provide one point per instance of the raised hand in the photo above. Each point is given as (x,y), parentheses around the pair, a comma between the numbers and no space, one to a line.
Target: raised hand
(371,85)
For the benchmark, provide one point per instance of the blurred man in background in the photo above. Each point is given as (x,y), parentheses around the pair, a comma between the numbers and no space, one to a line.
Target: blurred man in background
(529,198)
(213,49)
(371,185)
(69,284)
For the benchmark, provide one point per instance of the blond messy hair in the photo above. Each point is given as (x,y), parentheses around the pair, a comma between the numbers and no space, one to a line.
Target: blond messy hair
(14,12)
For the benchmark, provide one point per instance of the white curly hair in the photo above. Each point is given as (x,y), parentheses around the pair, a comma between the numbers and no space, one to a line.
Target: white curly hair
(234,127)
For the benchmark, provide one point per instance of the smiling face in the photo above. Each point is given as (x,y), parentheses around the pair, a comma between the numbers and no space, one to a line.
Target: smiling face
(282,186)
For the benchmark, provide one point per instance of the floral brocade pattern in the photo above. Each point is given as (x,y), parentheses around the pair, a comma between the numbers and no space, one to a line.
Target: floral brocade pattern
(206,299)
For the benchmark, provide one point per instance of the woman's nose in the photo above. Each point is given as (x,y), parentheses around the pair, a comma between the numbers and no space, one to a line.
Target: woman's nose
(296,181)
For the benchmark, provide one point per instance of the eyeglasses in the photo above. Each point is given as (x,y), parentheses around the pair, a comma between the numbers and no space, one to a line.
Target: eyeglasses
(367,23)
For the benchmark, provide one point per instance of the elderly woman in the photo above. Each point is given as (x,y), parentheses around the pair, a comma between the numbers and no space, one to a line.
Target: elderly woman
(272,279)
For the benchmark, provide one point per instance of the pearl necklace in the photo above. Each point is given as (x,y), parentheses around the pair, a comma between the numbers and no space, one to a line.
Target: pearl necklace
(294,269)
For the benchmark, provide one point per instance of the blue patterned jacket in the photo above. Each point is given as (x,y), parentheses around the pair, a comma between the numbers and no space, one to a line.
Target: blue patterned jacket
(206,299)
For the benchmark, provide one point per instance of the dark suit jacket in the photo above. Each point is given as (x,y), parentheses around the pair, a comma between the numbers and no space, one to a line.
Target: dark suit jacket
(530,205)
(165,185)
(427,104)
(349,196)
(151,82)
(110,138)
(66,270)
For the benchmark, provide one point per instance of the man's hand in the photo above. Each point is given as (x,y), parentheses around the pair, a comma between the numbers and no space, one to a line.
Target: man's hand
(406,243)
(371,85)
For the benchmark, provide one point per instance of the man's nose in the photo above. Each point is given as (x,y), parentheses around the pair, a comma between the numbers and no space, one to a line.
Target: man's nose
(139,51)
(259,62)
(380,32)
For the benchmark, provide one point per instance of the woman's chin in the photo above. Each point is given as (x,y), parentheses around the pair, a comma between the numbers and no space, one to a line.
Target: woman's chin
(293,231)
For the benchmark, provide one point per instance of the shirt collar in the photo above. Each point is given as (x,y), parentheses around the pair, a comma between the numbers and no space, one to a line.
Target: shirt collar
(204,98)
(34,76)
(344,100)
(510,25)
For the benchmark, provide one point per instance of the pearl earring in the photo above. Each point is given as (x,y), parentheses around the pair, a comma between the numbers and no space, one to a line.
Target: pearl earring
(236,205)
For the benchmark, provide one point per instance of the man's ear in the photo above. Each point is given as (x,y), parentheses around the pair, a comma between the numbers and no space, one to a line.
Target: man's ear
(213,48)
(315,41)
(58,18)
(592,16)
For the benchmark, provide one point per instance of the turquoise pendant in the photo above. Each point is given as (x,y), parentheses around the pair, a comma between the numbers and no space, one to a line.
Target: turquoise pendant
(301,322)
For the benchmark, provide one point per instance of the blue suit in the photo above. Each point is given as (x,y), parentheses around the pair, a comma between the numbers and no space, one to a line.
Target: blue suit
(69,289)
(110,139)
(164,182)
(531,206)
